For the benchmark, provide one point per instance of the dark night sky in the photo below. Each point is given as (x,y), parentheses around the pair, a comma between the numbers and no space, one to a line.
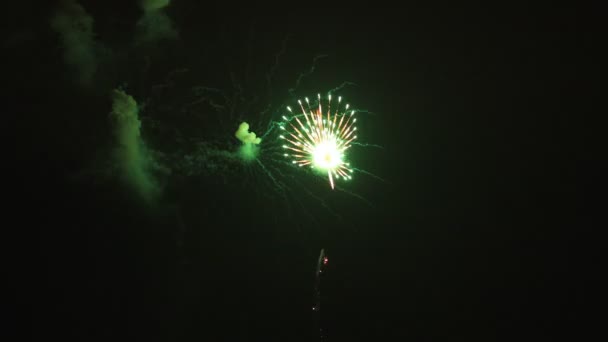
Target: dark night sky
(479,233)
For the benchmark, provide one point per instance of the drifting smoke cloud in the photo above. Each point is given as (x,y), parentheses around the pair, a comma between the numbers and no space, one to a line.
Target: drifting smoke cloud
(245,136)
(132,156)
(153,5)
(249,150)
(75,26)
(155,25)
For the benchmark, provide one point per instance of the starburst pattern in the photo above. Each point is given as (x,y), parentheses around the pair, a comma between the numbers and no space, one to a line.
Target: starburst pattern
(319,137)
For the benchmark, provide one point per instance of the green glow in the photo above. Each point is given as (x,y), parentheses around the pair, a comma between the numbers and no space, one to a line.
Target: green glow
(249,152)
(132,156)
(75,27)
(250,149)
(155,25)
(245,136)
(153,5)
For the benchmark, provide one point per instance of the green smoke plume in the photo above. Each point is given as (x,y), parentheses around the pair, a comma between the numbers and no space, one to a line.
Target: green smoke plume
(155,25)
(249,150)
(75,27)
(245,136)
(152,5)
(134,160)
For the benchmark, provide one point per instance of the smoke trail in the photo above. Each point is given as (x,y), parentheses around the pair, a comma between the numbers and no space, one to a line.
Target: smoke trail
(155,24)
(133,158)
(317,302)
(75,26)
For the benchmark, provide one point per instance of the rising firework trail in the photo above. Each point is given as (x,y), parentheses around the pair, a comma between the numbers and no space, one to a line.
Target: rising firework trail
(316,308)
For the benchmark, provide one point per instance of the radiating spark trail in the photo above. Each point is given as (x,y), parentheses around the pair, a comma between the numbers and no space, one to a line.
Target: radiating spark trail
(317,140)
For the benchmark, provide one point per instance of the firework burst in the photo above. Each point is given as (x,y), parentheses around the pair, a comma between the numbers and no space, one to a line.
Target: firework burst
(319,137)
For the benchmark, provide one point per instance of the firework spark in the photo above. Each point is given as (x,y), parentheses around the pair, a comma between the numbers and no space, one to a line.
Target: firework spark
(320,137)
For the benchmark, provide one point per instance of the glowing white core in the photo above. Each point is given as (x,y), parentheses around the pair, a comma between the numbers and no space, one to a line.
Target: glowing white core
(326,155)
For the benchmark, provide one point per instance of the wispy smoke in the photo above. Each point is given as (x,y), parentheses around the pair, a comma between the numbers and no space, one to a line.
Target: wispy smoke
(134,160)
(75,26)
(245,136)
(155,25)
(153,5)
(250,149)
